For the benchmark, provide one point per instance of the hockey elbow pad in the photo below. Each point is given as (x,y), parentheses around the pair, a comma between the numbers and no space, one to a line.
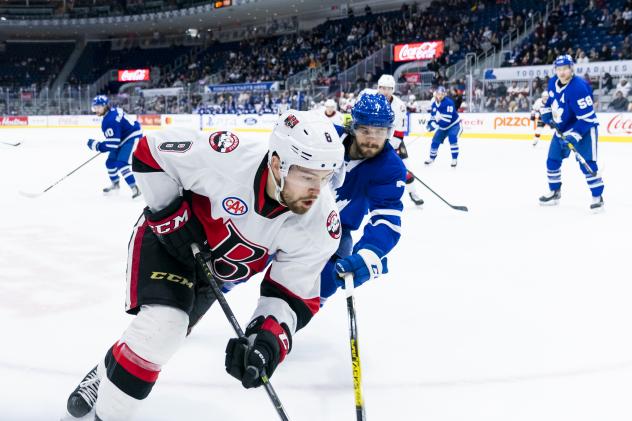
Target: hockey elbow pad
(176,227)
(265,346)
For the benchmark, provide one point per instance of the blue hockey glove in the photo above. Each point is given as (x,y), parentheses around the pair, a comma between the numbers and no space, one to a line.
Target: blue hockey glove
(96,146)
(365,264)
(431,126)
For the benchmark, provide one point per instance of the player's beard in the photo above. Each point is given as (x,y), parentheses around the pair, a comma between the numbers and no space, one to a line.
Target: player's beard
(299,205)
(369,149)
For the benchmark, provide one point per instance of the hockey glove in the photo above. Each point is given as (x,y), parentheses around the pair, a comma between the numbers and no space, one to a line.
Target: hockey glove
(547,117)
(266,344)
(176,227)
(431,126)
(96,146)
(365,264)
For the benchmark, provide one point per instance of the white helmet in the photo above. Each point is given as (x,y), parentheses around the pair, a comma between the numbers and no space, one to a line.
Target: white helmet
(330,103)
(308,139)
(544,95)
(386,81)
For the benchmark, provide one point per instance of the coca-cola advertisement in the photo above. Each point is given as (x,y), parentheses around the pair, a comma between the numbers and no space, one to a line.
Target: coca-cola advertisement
(418,51)
(14,121)
(620,124)
(149,119)
(133,75)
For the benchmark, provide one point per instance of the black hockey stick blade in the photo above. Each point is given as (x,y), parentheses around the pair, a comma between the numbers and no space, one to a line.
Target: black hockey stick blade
(455,207)
(10,143)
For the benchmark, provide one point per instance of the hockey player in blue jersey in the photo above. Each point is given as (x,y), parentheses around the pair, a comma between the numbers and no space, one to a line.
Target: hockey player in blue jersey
(569,111)
(374,183)
(445,119)
(121,135)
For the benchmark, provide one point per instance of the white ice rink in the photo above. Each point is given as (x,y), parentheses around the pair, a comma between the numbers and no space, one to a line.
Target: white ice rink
(511,312)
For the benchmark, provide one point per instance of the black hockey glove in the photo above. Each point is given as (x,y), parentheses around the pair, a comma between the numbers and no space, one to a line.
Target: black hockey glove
(177,228)
(265,346)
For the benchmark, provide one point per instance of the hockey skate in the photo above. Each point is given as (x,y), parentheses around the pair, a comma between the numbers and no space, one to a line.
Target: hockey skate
(429,161)
(453,164)
(135,191)
(82,399)
(416,199)
(112,187)
(551,199)
(597,204)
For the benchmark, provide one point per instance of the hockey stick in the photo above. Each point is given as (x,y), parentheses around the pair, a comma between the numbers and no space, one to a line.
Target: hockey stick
(581,160)
(461,208)
(31,195)
(579,156)
(10,143)
(355,351)
(203,264)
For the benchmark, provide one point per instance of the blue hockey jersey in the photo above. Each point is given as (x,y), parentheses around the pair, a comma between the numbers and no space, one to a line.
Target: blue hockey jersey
(118,129)
(373,186)
(570,107)
(444,114)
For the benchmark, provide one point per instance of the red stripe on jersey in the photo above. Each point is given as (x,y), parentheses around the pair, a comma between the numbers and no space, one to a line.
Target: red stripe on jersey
(136,247)
(398,134)
(262,189)
(134,364)
(143,153)
(313,304)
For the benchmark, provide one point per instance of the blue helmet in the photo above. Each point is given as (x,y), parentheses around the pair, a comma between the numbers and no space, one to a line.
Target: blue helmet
(440,89)
(100,100)
(564,60)
(372,110)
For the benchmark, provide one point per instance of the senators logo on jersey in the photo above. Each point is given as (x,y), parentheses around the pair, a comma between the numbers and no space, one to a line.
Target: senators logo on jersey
(333,225)
(223,142)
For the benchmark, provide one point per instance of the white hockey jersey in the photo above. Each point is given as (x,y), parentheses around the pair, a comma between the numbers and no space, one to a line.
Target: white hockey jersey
(535,109)
(226,175)
(335,118)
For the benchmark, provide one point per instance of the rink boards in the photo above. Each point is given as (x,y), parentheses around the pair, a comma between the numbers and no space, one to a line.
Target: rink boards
(613,127)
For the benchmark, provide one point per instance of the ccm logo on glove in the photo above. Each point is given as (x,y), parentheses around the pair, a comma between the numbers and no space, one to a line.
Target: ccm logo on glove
(172,223)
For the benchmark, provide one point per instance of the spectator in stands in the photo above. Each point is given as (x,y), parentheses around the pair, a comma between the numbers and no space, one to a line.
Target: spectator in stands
(619,103)
(607,83)
(581,57)
(623,86)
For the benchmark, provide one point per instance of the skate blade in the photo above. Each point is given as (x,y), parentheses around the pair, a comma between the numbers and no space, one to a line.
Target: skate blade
(550,203)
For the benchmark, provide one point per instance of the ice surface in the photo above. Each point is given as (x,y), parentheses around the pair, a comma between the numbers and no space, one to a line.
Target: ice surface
(509,312)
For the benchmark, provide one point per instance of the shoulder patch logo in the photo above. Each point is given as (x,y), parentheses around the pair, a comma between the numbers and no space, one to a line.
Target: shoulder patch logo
(223,142)
(333,225)
(175,146)
(235,206)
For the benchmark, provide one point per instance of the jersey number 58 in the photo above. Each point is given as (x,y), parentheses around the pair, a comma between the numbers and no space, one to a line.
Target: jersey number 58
(584,102)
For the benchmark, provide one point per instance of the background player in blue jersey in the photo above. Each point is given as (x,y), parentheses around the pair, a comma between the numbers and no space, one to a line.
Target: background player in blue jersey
(374,183)
(445,119)
(569,111)
(121,135)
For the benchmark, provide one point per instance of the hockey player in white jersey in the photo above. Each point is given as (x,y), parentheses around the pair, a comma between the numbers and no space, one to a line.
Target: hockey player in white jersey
(332,113)
(535,116)
(386,87)
(247,204)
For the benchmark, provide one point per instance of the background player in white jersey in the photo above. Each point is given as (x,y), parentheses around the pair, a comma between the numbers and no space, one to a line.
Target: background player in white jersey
(535,116)
(386,87)
(247,204)
(332,113)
